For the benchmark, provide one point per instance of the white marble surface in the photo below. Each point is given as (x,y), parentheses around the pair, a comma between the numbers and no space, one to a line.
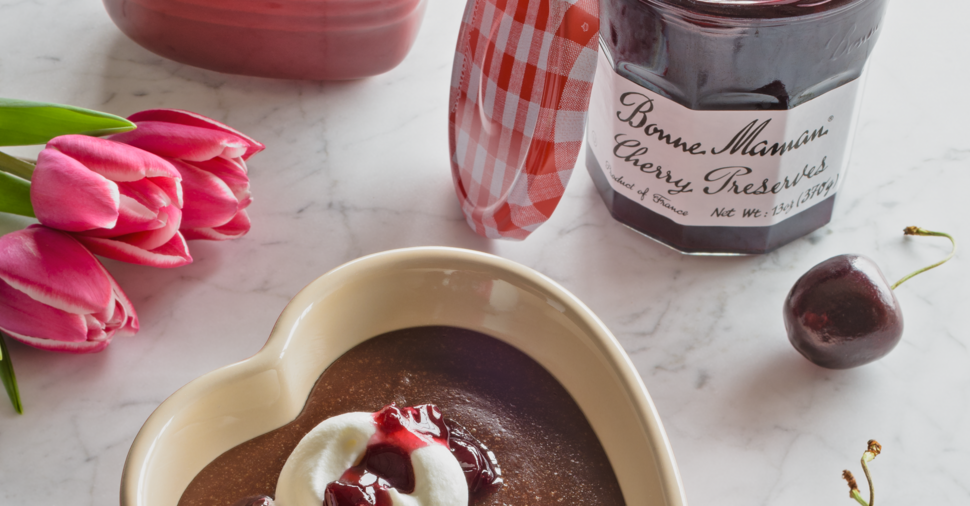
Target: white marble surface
(359,167)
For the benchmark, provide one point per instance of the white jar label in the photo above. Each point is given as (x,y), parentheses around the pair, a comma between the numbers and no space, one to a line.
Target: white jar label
(719,168)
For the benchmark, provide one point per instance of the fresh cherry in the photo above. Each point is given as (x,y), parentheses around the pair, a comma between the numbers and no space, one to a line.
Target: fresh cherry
(842,313)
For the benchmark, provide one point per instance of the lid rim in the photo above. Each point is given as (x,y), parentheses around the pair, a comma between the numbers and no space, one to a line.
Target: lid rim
(519,95)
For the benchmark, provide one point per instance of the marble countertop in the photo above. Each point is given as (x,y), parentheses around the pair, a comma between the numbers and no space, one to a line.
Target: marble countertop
(353,168)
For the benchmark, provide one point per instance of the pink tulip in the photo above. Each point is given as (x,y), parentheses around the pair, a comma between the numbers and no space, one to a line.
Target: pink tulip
(211,157)
(121,202)
(55,295)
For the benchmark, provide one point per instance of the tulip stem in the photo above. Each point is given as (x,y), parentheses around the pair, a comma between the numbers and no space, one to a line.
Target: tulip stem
(15,195)
(8,376)
(16,166)
(921,231)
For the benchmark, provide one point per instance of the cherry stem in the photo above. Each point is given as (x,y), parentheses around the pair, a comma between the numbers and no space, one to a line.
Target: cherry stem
(921,231)
(873,449)
(853,487)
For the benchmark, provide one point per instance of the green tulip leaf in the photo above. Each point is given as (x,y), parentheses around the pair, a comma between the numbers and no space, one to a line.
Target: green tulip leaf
(9,378)
(24,123)
(15,195)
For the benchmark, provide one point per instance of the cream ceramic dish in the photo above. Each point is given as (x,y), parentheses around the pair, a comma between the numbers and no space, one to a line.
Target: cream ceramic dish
(395,290)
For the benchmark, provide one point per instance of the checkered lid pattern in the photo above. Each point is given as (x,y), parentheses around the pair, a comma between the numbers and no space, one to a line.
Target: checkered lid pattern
(520,88)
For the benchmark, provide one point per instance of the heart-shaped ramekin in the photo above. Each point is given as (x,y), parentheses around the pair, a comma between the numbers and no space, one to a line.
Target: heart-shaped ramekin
(395,290)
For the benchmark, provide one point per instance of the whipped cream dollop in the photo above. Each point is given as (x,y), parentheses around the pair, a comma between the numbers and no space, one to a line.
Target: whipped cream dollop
(395,457)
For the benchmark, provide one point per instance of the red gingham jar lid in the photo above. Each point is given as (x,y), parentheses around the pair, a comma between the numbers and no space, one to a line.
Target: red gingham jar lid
(520,88)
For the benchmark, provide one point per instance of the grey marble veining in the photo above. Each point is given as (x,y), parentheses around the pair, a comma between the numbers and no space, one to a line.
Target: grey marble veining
(360,167)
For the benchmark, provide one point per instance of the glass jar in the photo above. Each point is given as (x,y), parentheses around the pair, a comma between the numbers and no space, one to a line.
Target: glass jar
(285,39)
(724,126)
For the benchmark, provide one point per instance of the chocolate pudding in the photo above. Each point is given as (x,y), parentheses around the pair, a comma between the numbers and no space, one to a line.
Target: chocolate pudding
(548,452)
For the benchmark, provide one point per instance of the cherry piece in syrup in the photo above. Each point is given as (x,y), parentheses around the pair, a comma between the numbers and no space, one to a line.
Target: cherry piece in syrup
(257,500)
(482,472)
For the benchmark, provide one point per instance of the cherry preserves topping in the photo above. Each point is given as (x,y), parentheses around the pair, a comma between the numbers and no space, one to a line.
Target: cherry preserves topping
(411,428)
(391,464)
(387,461)
(358,487)
(384,466)
(477,462)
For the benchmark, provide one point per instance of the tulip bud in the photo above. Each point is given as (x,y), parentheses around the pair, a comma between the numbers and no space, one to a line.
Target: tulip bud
(211,157)
(121,202)
(55,295)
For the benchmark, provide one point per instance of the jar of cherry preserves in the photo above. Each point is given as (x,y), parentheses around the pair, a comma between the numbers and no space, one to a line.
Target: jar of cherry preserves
(724,126)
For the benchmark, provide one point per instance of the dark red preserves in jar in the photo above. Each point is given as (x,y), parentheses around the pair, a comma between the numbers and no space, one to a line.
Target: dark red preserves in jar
(724,126)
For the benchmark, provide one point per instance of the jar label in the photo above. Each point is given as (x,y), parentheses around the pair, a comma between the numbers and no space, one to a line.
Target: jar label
(719,168)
